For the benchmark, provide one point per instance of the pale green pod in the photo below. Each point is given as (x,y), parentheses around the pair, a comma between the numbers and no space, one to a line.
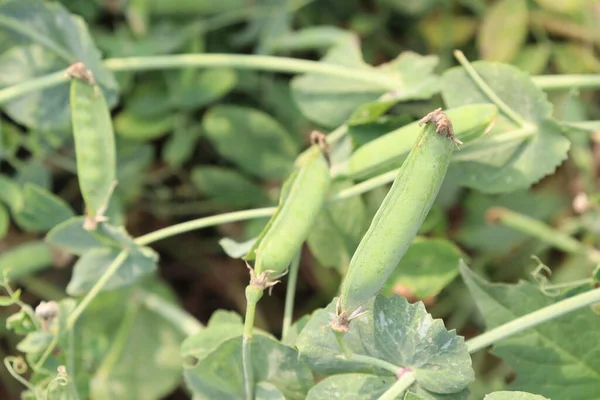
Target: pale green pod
(303,196)
(94,144)
(387,152)
(398,219)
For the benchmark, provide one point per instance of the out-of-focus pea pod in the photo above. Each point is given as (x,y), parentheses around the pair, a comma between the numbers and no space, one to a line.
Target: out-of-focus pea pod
(388,152)
(94,143)
(302,198)
(398,219)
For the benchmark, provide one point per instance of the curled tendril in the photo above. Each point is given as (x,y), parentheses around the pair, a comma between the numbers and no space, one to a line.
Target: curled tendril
(541,279)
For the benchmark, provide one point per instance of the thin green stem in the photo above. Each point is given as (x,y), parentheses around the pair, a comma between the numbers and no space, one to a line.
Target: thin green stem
(47,353)
(71,353)
(541,231)
(571,284)
(339,337)
(8,364)
(364,186)
(204,223)
(247,350)
(533,319)
(398,388)
(483,86)
(185,322)
(32,85)
(566,82)
(290,293)
(110,271)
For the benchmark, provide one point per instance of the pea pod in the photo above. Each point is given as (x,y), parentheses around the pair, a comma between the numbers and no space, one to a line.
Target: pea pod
(302,198)
(398,219)
(94,143)
(388,151)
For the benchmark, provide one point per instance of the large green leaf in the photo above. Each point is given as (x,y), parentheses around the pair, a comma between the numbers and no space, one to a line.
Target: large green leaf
(217,374)
(72,237)
(506,395)
(510,157)
(559,358)
(46,38)
(426,268)
(393,330)
(334,237)
(41,210)
(252,140)
(25,259)
(351,387)
(503,31)
(227,186)
(329,100)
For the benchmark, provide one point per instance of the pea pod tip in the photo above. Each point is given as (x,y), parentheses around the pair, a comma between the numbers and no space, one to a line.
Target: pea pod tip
(443,125)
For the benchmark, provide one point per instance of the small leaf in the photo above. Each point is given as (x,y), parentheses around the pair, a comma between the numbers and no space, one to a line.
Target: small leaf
(351,387)
(72,237)
(575,59)
(227,186)
(25,259)
(6,301)
(35,172)
(218,373)
(4,221)
(505,395)
(393,330)
(181,144)
(46,38)
(42,210)
(504,30)
(10,193)
(433,29)
(207,87)
(413,7)
(499,162)
(532,58)
(564,346)
(330,101)
(251,139)
(92,265)
(428,266)
(132,127)
(235,249)
(20,323)
(268,391)
(35,342)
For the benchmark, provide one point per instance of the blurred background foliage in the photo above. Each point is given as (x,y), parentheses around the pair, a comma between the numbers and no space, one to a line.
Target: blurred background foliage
(198,142)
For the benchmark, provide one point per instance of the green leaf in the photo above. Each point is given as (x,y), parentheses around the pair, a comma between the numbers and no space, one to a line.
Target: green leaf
(227,186)
(414,7)
(334,237)
(46,38)
(235,249)
(575,58)
(72,237)
(42,210)
(428,266)
(251,139)
(330,101)
(294,331)
(563,6)
(533,58)
(506,395)
(268,391)
(34,171)
(312,38)
(504,30)
(133,127)
(10,193)
(207,87)
(500,162)
(557,358)
(25,259)
(180,146)
(20,323)
(92,265)
(433,29)
(393,330)
(217,374)
(351,387)
(6,301)
(4,221)
(35,342)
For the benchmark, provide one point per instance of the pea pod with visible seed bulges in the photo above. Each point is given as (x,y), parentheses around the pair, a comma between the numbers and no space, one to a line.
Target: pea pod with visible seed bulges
(398,219)
(94,143)
(302,198)
(387,152)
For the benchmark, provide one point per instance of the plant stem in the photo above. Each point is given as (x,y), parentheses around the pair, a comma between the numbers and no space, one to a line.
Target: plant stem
(541,231)
(247,346)
(566,82)
(11,370)
(186,323)
(398,388)
(533,319)
(32,85)
(364,186)
(47,353)
(204,223)
(290,293)
(374,362)
(483,86)
(110,271)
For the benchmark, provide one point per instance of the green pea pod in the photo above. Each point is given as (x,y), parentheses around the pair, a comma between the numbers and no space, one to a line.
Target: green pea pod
(302,198)
(94,143)
(389,151)
(398,219)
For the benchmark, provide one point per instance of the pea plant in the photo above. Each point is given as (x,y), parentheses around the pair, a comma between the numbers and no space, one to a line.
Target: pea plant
(366,211)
